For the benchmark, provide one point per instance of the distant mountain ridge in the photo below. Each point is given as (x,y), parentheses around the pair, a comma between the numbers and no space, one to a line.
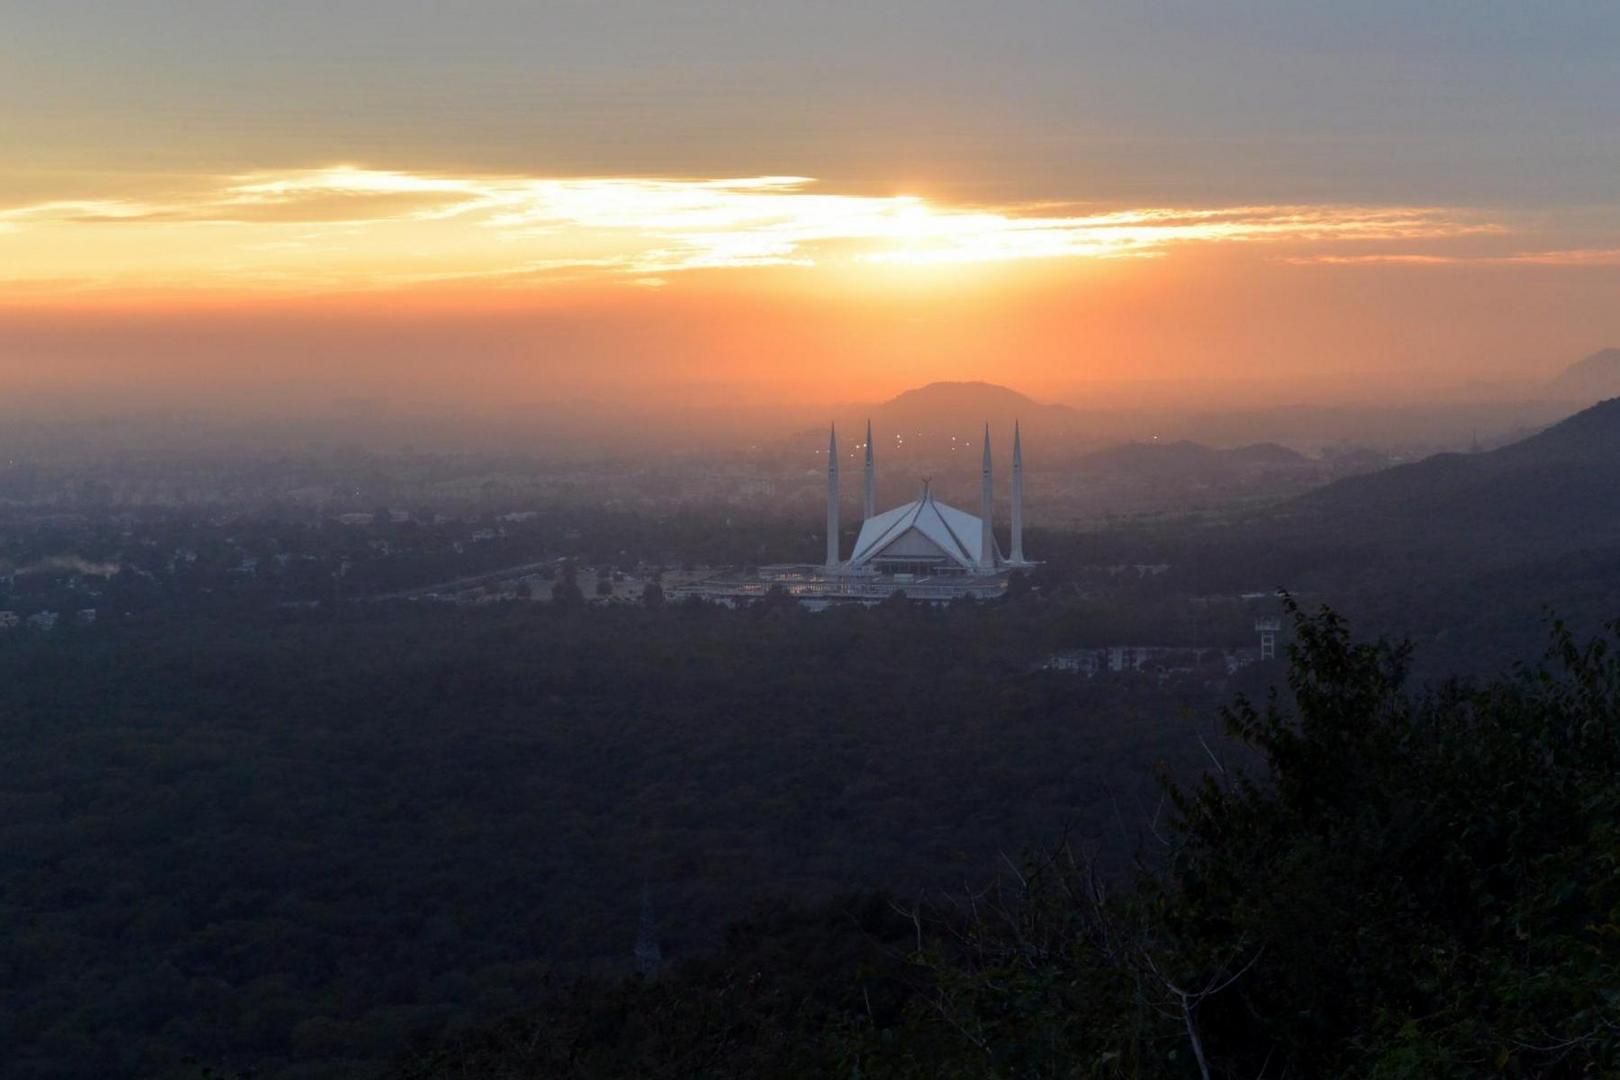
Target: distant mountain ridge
(959,406)
(1558,490)
(1591,436)
(969,394)
(1595,377)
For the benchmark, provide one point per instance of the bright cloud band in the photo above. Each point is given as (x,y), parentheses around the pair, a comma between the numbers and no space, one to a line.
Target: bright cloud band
(355,228)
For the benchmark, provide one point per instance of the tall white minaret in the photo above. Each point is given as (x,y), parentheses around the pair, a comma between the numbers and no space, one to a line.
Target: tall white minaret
(1017,557)
(987,538)
(869,505)
(832,497)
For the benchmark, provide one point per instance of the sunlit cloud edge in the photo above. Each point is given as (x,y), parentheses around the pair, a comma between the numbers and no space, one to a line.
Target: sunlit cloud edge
(240,229)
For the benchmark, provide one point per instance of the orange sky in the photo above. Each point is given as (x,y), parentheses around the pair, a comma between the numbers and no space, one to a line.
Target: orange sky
(292,287)
(270,206)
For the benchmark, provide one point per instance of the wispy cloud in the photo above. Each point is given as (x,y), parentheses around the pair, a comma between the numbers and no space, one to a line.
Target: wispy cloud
(380,227)
(1371,260)
(1562,257)
(1572,257)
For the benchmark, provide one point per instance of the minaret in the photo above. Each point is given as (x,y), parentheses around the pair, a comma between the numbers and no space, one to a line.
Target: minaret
(832,497)
(869,505)
(987,539)
(1017,557)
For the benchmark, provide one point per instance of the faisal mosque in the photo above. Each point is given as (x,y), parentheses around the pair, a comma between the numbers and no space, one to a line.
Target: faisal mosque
(926,549)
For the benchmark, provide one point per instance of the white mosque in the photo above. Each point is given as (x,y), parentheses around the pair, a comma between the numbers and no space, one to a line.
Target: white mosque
(927,549)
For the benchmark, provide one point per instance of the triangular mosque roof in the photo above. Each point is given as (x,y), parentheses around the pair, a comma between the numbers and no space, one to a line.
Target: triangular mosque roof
(957,533)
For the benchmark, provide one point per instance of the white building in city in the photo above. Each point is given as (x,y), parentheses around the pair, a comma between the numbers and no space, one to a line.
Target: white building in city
(926,537)
(927,549)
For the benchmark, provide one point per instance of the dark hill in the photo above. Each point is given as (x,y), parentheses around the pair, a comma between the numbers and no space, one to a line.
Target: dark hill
(1558,490)
(964,407)
(962,395)
(1591,436)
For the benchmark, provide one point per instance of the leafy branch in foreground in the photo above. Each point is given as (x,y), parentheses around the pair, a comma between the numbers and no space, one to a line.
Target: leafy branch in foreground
(1417,884)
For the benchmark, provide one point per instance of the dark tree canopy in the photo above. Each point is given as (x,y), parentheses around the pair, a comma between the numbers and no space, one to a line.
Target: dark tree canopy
(1416,884)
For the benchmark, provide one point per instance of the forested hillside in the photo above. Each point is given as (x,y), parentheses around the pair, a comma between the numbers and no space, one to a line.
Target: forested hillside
(1414,885)
(298,842)
(1545,495)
